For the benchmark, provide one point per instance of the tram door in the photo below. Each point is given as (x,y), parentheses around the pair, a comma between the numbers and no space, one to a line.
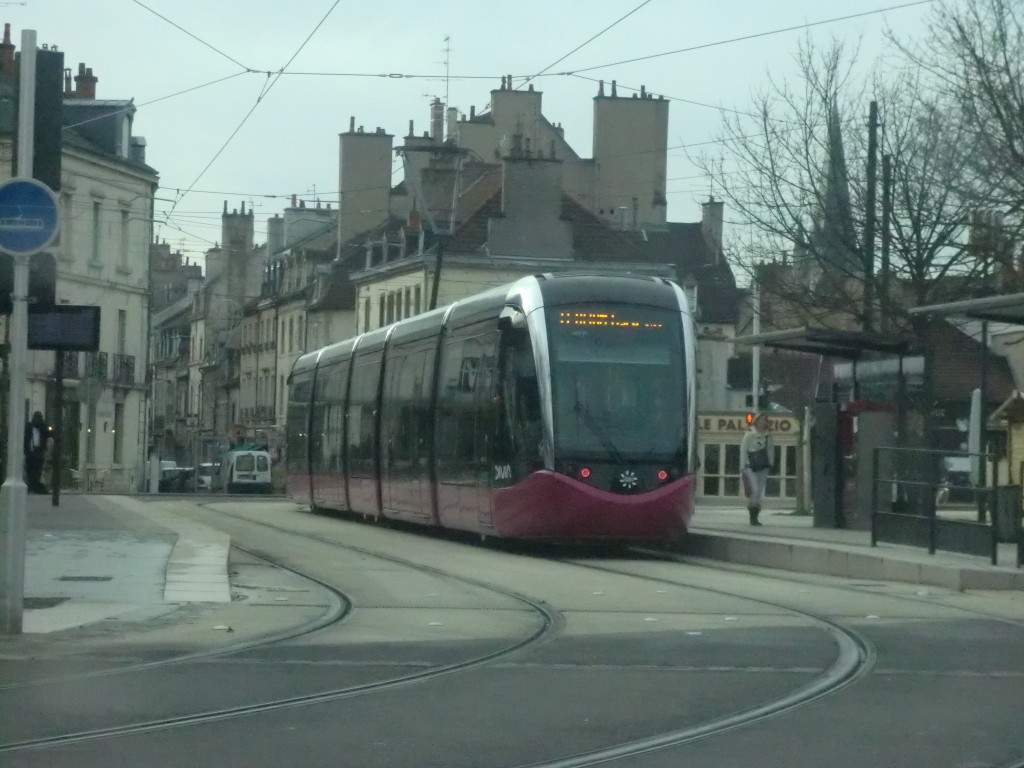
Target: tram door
(464,434)
(405,485)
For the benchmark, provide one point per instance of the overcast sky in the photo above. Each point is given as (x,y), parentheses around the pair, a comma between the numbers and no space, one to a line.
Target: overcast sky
(289,145)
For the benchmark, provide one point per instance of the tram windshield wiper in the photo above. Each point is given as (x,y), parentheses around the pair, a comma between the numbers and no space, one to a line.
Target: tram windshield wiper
(598,429)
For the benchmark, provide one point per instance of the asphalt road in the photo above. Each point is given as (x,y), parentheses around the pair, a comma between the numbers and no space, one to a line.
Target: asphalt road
(636,648)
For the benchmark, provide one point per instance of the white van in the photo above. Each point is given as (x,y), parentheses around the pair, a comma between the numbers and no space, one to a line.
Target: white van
(246,472)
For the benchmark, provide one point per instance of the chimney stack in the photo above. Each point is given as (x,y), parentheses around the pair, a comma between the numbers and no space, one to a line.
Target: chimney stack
(69,92)
(437,120)
(85,83)
(7,52)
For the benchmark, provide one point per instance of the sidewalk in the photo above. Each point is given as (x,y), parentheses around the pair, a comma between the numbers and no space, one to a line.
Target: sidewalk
(98,558)
(792,543)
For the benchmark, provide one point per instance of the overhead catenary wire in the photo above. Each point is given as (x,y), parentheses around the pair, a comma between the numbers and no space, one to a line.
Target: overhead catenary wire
(193,36)
(268,85)
(752,36)
(585,43)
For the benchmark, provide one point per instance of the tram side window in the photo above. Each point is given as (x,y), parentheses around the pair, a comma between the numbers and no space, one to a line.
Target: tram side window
(522,432)
(318,436)
(298,424)
(334,423)
(406,410)
(465,423)
(361,412)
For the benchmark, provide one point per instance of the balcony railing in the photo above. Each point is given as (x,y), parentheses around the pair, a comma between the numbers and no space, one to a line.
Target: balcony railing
(96,366)
(67,365)
(124,370)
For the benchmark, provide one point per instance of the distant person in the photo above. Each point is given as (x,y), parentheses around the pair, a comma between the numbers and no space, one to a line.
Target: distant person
(756,452)
(36,436)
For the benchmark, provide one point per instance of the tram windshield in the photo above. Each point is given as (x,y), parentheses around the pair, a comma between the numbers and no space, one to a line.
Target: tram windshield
(618,382)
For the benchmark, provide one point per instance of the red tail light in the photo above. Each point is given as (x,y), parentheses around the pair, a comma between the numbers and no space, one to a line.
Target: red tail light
(662,475)
(585,473)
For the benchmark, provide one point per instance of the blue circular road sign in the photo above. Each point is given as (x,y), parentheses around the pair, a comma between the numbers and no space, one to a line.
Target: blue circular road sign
(28,216)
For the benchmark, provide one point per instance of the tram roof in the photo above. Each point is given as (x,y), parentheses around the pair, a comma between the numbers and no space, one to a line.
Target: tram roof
(1007,308)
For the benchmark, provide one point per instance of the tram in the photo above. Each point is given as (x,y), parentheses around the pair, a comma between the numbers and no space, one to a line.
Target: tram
(559,407)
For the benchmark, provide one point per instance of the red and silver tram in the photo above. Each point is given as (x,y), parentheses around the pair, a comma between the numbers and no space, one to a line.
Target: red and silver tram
(556,407)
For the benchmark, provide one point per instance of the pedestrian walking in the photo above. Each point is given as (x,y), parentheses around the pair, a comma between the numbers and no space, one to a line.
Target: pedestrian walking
(37,434)
(756,453)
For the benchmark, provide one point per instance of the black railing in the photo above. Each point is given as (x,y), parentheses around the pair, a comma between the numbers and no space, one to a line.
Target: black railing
(96,366)
(67,365)
(904,508)
(124,370)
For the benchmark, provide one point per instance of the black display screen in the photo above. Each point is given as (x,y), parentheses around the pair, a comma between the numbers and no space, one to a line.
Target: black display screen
(65,328)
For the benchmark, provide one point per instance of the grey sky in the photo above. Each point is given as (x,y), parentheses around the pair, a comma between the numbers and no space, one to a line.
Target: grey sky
(289,144)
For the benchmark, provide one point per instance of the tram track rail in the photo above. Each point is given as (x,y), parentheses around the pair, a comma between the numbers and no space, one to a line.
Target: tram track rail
(338,610)
(854,660)
(550,623)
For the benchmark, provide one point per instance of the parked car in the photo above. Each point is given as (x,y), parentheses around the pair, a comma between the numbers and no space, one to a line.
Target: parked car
(208,476)
(246,472)
(168,476)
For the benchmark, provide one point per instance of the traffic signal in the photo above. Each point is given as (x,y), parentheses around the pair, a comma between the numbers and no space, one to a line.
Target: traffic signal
(750,418)
(42,282)
(48,123)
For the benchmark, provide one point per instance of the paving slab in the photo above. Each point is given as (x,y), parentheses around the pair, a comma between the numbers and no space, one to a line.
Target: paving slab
(97,558)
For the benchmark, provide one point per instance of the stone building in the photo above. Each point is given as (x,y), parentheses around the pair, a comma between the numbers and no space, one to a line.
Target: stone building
(106,202)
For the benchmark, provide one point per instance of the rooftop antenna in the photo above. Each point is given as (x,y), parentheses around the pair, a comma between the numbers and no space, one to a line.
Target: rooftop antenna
(447,66)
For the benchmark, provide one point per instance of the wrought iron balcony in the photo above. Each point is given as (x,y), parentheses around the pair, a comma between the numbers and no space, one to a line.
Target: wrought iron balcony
(67,365)
(96,366)
(124,370)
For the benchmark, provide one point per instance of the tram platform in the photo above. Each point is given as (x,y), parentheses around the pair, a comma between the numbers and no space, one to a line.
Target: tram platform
(105,558)
(790,542)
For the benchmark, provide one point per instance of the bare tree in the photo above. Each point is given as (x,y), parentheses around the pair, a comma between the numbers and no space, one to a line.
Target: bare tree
(792,169)
(974,51)
(774,172)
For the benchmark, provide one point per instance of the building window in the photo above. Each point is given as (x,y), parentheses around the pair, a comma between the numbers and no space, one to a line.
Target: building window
(122,252)
(416,299)
(122,331)
(291,334)
(280,396)
(300,342)
(408,302)
(119,433)
(366,316)
(67,203)
(721,472)
(280,347)
(95,255)
(389,315)
(381,308)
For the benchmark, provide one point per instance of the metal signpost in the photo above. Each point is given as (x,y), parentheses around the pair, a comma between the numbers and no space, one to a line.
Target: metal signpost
(28,224)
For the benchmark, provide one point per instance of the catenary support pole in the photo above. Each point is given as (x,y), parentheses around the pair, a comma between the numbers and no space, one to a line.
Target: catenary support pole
(14,492)
(869,219)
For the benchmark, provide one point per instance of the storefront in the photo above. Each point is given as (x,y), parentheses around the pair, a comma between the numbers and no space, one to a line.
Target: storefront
(718,444)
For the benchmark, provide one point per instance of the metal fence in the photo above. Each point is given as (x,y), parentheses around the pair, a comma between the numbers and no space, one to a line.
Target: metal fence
(910,494)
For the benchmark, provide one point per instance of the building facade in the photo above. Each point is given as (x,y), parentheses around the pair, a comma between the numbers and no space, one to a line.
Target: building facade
(106,209)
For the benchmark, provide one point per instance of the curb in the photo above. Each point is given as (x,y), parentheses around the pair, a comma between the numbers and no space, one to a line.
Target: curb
(831,561)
